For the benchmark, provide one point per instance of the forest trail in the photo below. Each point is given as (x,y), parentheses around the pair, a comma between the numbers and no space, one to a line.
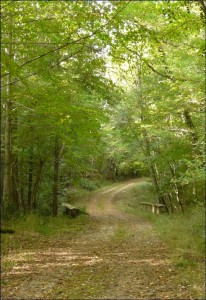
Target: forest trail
(118,257)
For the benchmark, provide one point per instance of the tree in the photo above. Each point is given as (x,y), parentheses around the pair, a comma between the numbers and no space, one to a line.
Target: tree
(108,88)
(160,66)
(57,89)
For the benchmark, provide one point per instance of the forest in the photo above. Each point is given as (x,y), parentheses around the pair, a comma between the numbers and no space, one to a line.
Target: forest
(98,95)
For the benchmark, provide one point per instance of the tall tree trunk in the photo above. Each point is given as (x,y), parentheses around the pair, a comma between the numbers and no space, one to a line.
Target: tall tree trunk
(7,192)
(196,151)
(36,183)
(30,180)
(15,184)
(176,188)
(22,200)
(15,159)
(146,139)
(169,195)
(7,181)
(191,126)
(7,156)
(152,170)
(56,177)
(203,6)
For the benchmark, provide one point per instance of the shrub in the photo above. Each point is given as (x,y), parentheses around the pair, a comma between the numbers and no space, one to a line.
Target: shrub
(88,184)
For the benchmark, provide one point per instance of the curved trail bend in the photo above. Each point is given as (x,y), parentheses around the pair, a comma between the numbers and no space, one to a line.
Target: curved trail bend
(118,257)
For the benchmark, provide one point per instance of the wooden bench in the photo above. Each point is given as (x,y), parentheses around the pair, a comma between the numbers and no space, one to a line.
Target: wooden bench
(155,208)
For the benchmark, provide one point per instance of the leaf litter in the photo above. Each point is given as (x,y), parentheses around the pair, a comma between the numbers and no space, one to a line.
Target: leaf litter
(119,256)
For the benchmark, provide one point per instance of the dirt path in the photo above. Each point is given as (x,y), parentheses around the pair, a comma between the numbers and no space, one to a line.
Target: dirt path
(118,257)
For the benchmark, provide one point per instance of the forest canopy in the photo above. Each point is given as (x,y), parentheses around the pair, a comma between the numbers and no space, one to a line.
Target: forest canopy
(101,90)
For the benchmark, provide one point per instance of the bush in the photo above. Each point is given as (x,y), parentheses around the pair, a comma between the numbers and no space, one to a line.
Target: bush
(88,184)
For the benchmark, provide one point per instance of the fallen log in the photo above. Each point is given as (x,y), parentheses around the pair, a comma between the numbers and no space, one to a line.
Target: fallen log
(153,207)
(72,211)
(11,231)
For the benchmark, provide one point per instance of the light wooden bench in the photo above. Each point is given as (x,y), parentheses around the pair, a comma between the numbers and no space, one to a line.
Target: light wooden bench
(155,208)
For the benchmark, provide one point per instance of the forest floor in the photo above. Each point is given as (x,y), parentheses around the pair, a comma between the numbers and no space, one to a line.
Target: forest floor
(118,256)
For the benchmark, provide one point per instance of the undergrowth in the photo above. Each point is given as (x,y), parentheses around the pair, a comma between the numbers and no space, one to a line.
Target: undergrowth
(83,190)
(32,228)
(184,233)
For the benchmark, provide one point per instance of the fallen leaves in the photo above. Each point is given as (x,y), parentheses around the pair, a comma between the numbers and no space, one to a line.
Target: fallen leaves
(94,264)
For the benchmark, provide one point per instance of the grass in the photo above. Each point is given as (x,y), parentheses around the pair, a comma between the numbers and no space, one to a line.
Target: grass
(33,228)
(100,204)
(130,199)
(184,233)
(120,233)
(88,282)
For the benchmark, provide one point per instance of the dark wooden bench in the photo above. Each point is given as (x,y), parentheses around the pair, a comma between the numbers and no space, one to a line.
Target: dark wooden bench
(155,208)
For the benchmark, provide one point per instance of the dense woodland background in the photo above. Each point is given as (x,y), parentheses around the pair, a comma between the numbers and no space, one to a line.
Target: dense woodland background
(101,90)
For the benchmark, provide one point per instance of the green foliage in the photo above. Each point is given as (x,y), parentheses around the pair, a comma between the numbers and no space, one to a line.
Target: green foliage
(120,84)
(163,103)
(131,169)
(88,184)
(143,192)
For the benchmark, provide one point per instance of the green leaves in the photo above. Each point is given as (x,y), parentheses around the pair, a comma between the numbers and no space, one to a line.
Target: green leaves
(162,45)
(102,76)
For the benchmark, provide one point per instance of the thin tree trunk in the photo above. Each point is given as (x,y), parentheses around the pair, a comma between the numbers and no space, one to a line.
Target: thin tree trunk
(196,152)
(56,177)
(15,185)
(36,184)
(22,182)
(7,186)
(30,180)
(191,126)
(176,189)
(7,156)
(203,6)
(17,191)
(146,139)
(14,159)
(7,181)
(170,201)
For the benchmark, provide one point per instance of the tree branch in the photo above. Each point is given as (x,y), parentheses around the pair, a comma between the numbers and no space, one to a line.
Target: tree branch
(73,42)
(38,43)
(52,66)
(171,77)
(2,7)
(150,66)
(19,104)
(203,6)
(176,28)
